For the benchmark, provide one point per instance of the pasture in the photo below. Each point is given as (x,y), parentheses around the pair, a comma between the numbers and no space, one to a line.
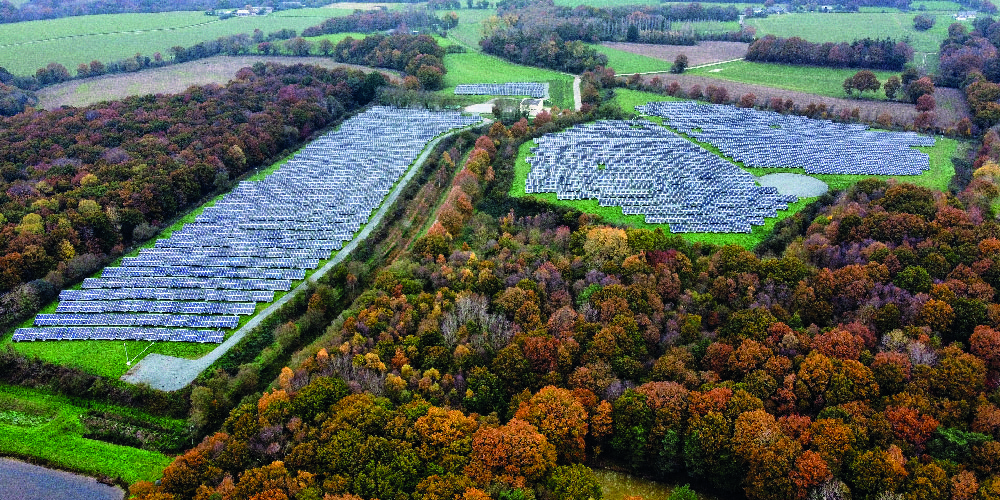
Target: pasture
(47,427)
(809,79)
(937,177)
(845,27)
(71,41)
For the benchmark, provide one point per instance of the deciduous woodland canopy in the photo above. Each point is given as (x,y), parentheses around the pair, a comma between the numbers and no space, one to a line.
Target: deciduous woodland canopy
(507,351)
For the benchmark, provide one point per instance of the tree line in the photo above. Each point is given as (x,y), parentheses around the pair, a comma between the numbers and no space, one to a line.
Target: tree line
(884,54)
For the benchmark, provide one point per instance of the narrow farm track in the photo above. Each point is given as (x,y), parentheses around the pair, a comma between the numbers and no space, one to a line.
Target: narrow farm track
(168,373)
(106,33)
(577,99)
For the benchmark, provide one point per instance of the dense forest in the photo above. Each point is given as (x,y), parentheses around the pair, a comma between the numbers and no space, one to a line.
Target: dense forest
(511,350)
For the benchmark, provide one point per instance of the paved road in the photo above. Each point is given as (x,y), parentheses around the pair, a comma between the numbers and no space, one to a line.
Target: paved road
(24,481)
(577,100)
(168,373)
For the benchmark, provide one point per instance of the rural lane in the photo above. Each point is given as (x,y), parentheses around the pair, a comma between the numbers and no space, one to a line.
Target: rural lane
(169,373)
(577,100)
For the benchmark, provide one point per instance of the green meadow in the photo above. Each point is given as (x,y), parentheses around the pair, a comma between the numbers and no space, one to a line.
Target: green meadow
(47,428)
(811,79)
(27,46)
(476,67)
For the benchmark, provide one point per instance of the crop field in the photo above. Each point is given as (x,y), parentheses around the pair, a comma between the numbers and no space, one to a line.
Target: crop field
(165,80)
(48,427)
(845,27)
(647,57)
(808,79)
(71,41)
(936,178)
(475,67)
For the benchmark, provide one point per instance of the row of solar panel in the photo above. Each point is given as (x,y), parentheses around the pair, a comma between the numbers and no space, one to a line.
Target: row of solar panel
(112,333)
(168,294)
(156,306)
(167,320)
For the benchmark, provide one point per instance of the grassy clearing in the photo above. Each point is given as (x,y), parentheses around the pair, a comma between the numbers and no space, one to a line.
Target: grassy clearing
(47,427)
(70,41)
(470,26)
(627,62)
(845,27)
(937,178)
(475,67)
(810,79)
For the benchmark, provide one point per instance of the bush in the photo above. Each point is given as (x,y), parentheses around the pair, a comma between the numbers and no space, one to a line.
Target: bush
(680,64)
(923,22)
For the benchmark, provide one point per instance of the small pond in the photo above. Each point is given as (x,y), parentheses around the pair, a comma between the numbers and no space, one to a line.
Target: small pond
(24,481)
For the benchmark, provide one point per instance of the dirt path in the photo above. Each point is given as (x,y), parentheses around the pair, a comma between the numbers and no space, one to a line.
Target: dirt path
(168,373)
(951,102)
(170,79)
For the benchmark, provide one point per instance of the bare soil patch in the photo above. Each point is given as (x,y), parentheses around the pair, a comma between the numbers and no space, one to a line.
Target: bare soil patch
(168,79)
(703,53)
(951,104)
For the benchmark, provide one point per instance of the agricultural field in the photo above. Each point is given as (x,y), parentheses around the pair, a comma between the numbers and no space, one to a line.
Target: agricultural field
(71,41)
(166,80)
(48,428)
(936,178)
(475,67)
(808,79)
(470,26)
(845,27)
(646,57)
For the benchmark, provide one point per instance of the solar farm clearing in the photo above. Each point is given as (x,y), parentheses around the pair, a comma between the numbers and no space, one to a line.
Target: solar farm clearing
(696,167)
(260,239)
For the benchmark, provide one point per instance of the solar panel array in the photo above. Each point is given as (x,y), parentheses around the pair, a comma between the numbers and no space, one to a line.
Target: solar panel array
(769,139)
(256,240)
(648,170)
(530,89)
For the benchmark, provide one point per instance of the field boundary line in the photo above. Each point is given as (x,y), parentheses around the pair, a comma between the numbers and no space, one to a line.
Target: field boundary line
(716,63)
(107,33)
(170,373)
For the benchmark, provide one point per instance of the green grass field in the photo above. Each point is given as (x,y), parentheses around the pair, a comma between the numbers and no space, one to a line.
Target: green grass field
(470,26)
(70,41)
(845,27)
(626,62)
(937,178)
(475,67)
(47,427)
(811,79)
